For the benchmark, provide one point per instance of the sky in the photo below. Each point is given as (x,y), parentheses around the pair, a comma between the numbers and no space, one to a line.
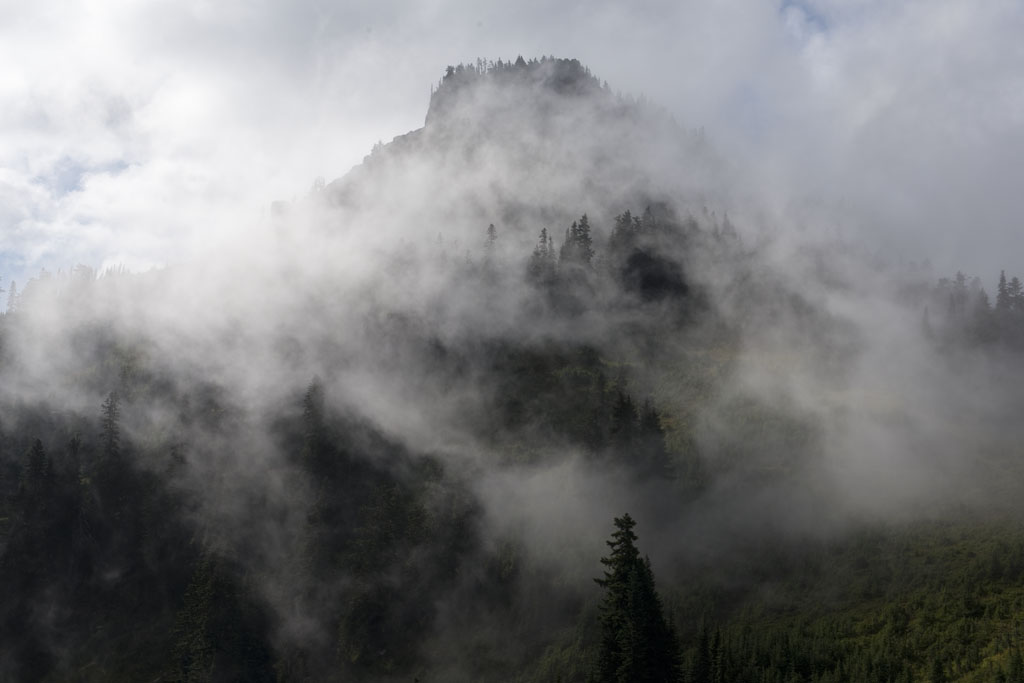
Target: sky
(130,131)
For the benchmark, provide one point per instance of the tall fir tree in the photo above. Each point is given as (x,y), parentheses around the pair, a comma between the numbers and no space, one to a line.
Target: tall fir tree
(623,234)
(637,644)
(700,671)
(541,268)
(1002,296)
(578,247)
(584,242)
(565,252)
(1015,294)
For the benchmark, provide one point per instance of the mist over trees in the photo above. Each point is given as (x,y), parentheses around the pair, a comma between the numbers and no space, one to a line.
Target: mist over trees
(965,314)
(383,436)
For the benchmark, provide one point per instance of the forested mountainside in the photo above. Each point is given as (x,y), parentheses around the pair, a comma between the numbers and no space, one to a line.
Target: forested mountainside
(515,399)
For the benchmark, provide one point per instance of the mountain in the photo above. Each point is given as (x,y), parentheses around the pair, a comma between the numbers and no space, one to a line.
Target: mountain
(385,434)
(523,144)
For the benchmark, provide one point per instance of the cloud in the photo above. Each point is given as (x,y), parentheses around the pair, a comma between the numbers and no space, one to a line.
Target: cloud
(900,122)
(910,115)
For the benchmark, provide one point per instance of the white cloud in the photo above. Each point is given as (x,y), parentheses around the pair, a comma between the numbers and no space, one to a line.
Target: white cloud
(126,125)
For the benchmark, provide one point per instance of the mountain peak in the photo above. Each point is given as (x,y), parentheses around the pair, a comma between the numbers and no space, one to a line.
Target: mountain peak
(557,76)
(519,141)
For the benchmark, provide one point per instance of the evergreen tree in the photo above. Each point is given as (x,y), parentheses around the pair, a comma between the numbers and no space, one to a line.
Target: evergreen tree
(585,242)
(622,236)
(565,253)
(111,433)
(701,671)
(38,469)
(220,629)
(620,565)
(648,222)
(981,301)
(958,297)
(1002,296)
(982,317)
(541,268)
(541,250)
(578,247)
(653,457)
(717,658)
(623,419)
(637,644)
(1015,294)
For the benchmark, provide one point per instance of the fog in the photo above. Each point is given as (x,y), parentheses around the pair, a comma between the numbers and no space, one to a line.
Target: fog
(795,372)
(339,285)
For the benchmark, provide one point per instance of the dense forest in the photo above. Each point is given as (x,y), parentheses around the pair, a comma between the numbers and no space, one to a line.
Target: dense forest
(515,440)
